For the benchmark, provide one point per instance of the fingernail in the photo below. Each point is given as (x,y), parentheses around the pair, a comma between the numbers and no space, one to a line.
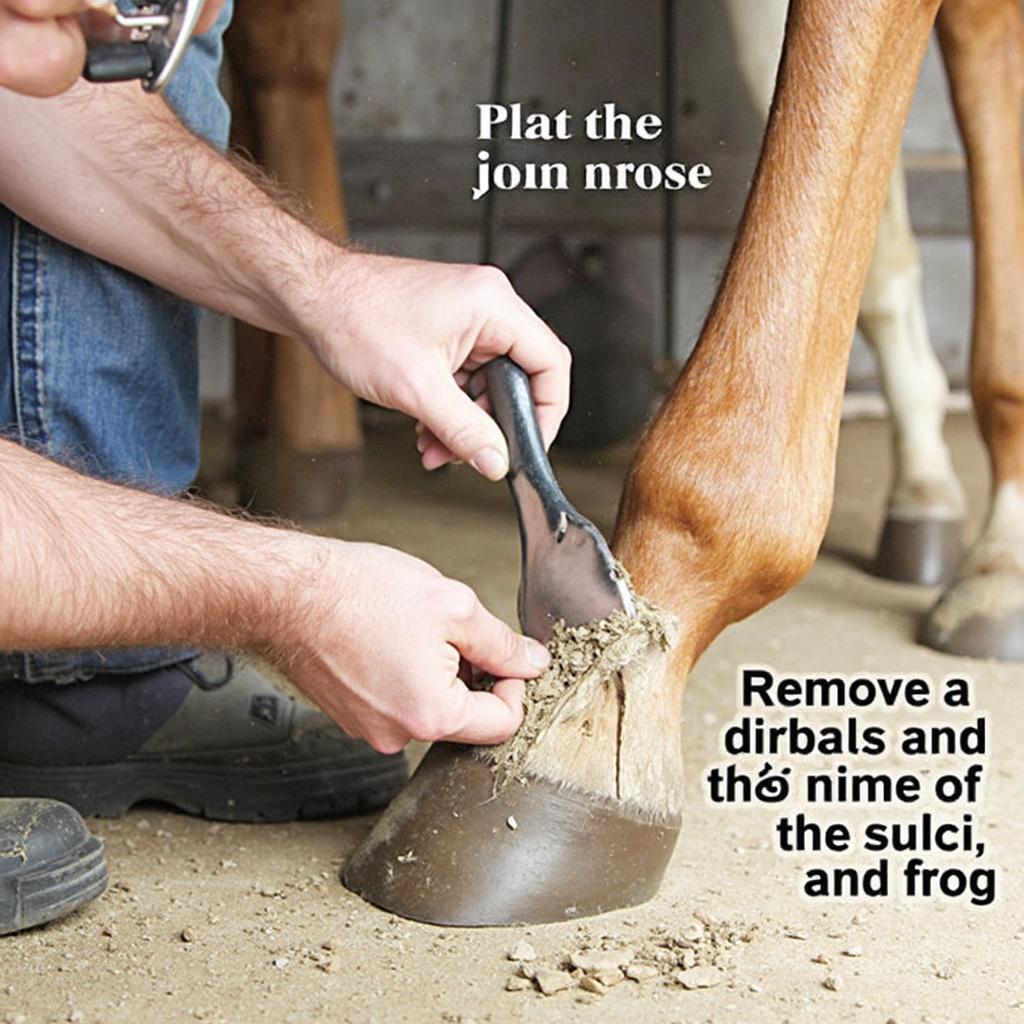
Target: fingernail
(537,653)
(490,462)
(422,442)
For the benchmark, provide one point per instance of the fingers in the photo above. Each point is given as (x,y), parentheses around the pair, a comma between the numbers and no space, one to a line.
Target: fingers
(439,705)
(484,640)
(39,57)
(461,429)
(513,329)
(40,10)
(492,716)
(435,453)
(458,715)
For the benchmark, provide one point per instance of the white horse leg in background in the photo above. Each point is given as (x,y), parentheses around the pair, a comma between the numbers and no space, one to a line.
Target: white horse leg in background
(922,538)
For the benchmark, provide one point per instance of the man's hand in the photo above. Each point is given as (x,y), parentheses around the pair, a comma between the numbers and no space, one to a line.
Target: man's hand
(377,639)
(42,50)
(42,46)
(408,334)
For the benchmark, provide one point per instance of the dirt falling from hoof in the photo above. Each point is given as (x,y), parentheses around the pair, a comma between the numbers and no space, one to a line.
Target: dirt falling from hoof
(697,955)
(582,716)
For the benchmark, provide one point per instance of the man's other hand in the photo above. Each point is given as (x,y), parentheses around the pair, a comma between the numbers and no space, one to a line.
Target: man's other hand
(42,49)
(408,334)
(382,642)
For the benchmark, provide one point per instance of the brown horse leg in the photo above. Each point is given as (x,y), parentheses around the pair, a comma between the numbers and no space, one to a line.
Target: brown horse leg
(921,540)
(299,441)
(982,613)
(728,496)
(724,509)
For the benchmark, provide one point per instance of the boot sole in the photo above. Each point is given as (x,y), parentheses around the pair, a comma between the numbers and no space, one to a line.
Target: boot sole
(218,791)
(54,889)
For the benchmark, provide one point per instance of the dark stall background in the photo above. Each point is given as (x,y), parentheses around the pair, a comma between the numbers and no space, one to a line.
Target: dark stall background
(405,87)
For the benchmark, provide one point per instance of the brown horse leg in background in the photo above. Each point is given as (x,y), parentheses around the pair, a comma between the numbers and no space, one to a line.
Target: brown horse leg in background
(299,438)
(982,613)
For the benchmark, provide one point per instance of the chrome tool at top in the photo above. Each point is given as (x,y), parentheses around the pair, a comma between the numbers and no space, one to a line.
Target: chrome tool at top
(144,41)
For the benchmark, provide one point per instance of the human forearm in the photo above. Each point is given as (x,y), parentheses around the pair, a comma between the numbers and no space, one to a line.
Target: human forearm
(372,635)
(87,564)
(113,171)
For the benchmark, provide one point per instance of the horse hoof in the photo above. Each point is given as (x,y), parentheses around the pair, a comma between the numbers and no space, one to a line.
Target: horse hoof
(980,617)
(922,551)
(449,851)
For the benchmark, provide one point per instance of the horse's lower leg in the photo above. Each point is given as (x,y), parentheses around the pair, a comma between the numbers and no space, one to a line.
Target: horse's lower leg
(982,613)
(300,441)
(922,538)
(728,496)
(724,508)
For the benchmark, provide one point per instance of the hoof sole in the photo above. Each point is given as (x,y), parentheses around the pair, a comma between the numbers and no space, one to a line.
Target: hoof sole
(449,852)
(922,551)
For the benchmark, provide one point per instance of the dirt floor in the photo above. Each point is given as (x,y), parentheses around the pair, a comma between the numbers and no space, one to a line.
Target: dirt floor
(227,923)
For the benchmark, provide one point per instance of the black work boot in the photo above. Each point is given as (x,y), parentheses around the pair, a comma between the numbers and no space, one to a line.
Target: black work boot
(209,736)
(49,863)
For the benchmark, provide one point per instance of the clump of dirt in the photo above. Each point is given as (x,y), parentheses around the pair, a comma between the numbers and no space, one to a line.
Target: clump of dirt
(586,656)
(698,954)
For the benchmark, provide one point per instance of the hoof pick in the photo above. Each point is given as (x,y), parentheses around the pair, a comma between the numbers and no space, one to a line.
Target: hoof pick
(568,572)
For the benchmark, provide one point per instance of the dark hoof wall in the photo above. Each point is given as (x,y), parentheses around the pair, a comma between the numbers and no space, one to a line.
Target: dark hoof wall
(277,480)
(922,551)
(448,853)
(998,635)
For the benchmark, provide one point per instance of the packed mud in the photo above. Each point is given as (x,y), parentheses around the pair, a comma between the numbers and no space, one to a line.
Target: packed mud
(585,660)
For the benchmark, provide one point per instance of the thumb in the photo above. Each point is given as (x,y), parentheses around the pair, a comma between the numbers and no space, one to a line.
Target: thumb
(492,716)
(486,642)
(466,430)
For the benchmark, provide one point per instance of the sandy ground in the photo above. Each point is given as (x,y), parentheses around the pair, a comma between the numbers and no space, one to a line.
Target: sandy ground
(275,937)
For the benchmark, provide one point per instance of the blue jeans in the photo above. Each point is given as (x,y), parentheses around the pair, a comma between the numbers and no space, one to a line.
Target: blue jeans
(99,369)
